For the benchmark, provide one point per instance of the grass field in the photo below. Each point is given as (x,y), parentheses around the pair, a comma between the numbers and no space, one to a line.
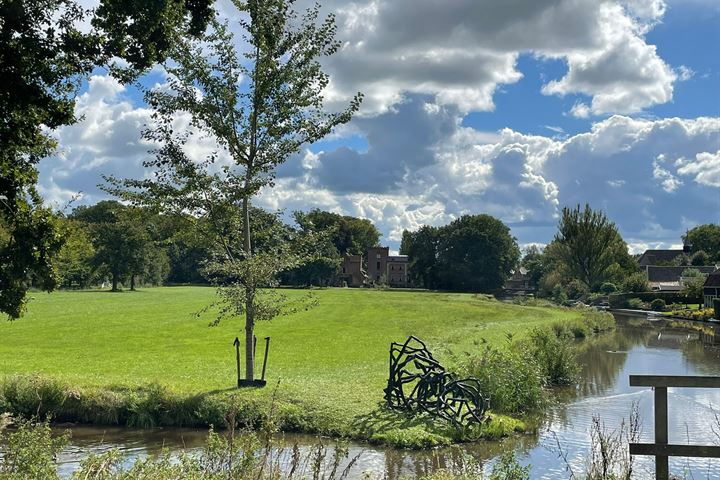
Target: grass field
(330,361)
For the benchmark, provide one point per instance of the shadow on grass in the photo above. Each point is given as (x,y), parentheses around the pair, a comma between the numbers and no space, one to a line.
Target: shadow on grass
(397,428)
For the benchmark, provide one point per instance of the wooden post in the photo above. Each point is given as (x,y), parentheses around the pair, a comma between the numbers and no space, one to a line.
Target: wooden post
(254,350)
(661,432)
(237,358)
(267,346)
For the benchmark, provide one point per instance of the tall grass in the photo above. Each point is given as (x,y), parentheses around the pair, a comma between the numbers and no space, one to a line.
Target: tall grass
(515,377)
(31,452)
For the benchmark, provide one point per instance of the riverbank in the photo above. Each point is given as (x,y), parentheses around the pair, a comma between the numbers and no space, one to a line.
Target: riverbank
(142,358)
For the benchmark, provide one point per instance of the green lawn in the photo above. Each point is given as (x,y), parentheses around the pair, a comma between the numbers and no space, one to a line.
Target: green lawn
(330,360)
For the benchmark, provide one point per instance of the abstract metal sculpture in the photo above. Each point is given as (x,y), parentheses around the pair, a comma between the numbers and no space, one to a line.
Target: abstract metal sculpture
(431,389)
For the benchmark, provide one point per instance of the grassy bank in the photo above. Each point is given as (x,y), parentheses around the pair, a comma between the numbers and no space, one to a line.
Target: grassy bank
(141,357)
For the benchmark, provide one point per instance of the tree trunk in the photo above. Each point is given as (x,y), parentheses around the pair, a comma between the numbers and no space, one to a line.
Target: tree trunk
(114,282)
(132,282)
(249,297)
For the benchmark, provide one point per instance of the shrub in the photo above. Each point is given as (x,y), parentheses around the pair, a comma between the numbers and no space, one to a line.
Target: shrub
(608,288)
(576,289)
(637,282)
(559,295)
(508,468)
(513,383)
(554,355)
(658,305)
(33,395)
(30,451)
(716,308)
(635,303)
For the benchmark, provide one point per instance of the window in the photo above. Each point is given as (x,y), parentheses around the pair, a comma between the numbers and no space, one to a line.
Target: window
(378,265)
(377,256)
(392,267)
(343,269)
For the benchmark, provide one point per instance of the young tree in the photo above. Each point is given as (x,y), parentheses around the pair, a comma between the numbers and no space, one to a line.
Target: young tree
(261,107)
(587,245)
(700,258)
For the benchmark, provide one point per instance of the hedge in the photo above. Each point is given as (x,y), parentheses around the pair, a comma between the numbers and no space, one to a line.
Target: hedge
(619,300)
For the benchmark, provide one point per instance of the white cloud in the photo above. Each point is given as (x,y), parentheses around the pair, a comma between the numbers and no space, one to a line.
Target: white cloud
(705,168)
(685,73)
(580,110)
(460,52)
(625,74)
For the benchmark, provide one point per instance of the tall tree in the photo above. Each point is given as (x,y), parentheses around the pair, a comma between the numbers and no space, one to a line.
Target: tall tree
(74,260)
(536,264)
(421,248)
(350,235)
(704,238)
(475,253)
(42,53)
(261,109)
(586,245)
(121,238)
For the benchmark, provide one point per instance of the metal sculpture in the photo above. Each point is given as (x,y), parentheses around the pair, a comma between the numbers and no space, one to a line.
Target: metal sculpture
(431,389)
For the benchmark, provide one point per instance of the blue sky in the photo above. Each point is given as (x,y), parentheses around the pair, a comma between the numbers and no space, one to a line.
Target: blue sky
(512,109)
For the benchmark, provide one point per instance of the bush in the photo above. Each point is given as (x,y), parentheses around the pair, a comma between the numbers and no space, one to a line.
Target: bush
(554,355)
(592,322)
(513,383)
(716,308)
(31,451)
(33,395)
(559,295)
(577,289)
(508,468)
(608,288)
(635,303)
(658,305)
(637,282)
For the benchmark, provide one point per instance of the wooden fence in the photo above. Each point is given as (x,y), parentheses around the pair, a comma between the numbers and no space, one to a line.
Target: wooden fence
(661,449)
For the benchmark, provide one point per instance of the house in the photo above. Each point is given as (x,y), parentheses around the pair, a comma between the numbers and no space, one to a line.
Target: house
(352,272)
(711,288)
(660,257)
(382,267)
(385,268)
(670,279)
(519,282)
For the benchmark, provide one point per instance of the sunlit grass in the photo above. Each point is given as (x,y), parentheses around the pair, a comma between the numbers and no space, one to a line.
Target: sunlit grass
(331,360)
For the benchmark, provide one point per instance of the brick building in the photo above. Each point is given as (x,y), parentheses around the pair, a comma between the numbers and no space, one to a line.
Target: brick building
(381,268)
(352,272)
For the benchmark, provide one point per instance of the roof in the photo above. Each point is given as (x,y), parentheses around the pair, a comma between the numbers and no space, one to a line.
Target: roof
(713,280)
(653,257)
(397,258)
(672,274)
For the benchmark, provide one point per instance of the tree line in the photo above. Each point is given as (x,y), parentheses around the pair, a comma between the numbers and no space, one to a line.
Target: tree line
(127,246)
(586,255)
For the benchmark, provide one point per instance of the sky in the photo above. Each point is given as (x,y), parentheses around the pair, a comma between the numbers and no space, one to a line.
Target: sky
(513,108)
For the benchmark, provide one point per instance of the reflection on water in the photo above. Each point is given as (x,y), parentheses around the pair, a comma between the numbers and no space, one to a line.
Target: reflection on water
(639,346)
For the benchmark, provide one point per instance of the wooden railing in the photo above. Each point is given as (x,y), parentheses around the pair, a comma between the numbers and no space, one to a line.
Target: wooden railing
(661,449)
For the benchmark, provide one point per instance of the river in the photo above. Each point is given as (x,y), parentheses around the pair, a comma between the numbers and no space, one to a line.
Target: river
(638,346)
